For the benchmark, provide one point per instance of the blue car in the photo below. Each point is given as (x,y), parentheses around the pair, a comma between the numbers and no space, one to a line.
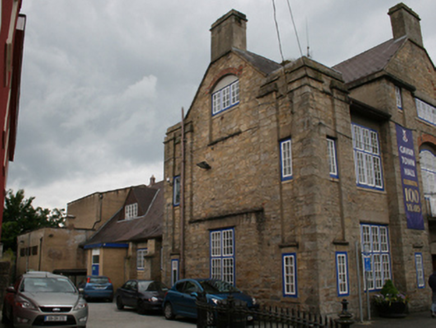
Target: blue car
(180,299)
(97,287)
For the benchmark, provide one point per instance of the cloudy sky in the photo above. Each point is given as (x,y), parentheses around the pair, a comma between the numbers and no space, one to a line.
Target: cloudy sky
(102,80)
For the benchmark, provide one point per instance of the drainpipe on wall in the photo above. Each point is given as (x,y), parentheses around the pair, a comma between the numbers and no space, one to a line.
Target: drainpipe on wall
(100,198)
(40,253)
(182,202)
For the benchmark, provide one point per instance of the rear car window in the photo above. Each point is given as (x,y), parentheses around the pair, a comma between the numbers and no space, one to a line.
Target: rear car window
(98,280)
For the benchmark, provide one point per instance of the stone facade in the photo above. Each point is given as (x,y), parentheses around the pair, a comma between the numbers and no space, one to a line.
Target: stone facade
(313,216)
(50,249)
(92,211)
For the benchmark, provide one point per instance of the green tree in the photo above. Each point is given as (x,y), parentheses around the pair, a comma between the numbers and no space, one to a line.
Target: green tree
(20,216)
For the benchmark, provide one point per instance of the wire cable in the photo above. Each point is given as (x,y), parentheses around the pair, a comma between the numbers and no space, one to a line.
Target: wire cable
(295,28)
(277,29)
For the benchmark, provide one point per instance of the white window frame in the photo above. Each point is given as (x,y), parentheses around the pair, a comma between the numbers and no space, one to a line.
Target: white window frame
(222,255)
(225,98)
(174,271)
(377,239)
(95,256)
(398,97)
(176,190)
(131,211)
(428,171)
(419,264)
(425,111)
(367,158)
(332,160)
(140,253)
(342,273)
(289,275)
(286,159)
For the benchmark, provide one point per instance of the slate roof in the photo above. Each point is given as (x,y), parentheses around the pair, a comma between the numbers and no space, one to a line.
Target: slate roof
(149,225)
(263,64)
(370,61)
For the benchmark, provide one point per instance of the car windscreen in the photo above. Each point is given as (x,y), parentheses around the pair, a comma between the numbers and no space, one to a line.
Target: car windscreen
(47,285)
(151,286)
(218,286)
(98,280)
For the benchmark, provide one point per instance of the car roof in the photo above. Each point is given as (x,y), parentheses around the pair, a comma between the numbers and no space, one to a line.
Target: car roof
(42,274)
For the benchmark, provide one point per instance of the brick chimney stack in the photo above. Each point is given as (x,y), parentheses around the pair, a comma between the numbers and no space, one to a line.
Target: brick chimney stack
(152,181)
(228,32)
(405,21)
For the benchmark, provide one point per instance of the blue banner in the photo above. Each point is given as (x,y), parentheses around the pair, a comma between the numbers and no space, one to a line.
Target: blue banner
(409,179)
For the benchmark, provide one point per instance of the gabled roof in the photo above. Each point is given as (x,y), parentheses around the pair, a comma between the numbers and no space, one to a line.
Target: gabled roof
(369,62)
(263,64)
(146,226)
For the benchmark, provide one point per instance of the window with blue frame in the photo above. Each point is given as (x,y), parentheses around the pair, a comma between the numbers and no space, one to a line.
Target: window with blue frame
(289,273)
(174,271)
(225,94)
(375,247)
(331,154)
(222,255)
(342,273)
(425,111)
(419,270)
(176,191)
(398,97)
(140,254)
(286,159)
(367,157)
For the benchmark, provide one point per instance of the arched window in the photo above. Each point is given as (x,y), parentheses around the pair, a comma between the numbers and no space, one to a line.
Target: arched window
(225,94)
(428,171)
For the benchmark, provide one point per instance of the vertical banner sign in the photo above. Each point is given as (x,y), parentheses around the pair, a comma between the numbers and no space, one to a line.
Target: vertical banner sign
(409,179)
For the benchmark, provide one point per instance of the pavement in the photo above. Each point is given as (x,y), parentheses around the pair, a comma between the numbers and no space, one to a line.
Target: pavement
(412,320)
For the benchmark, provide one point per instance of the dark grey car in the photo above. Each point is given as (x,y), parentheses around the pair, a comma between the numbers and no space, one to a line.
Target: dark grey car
(44,299)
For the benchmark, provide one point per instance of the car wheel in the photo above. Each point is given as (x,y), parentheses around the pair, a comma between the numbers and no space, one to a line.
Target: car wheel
(140,308)
(168,312)
(120,304)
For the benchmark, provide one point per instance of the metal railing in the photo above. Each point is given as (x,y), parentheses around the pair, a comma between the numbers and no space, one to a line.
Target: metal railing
(231,313)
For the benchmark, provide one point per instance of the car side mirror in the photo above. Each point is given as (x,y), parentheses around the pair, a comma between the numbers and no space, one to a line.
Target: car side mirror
(11,289)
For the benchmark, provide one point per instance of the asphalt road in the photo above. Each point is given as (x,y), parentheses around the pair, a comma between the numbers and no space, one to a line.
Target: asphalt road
(106,315)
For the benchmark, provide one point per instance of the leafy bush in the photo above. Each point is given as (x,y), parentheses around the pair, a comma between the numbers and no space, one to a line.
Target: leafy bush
(390,294)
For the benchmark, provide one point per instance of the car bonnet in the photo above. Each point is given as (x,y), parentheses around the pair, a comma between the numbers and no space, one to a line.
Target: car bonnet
(52,299)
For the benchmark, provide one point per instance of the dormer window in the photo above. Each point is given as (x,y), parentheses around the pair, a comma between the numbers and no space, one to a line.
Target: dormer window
(131,211)
(225,94)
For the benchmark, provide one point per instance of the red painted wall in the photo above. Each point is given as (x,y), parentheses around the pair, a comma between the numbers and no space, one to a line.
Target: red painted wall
(11,55)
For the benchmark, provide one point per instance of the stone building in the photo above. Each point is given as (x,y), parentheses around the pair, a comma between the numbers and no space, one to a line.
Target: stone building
(128,246)
(60,250)
(293,179)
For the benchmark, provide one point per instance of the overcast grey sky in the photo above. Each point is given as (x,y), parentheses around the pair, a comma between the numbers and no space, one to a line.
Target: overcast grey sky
(102,80)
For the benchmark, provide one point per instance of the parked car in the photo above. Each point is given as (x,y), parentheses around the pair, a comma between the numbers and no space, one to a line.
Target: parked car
(180,299)
(97,287)
(144,295)
(44,299)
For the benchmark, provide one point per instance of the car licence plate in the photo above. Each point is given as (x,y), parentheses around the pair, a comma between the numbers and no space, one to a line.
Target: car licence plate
(52,318)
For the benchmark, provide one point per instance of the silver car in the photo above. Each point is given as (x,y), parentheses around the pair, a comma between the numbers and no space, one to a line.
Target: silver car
(44,299)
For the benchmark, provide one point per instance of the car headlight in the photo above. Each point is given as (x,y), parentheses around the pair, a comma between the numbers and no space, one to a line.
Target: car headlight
(80,305)
(214,301)
(25,304)
(153,299)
